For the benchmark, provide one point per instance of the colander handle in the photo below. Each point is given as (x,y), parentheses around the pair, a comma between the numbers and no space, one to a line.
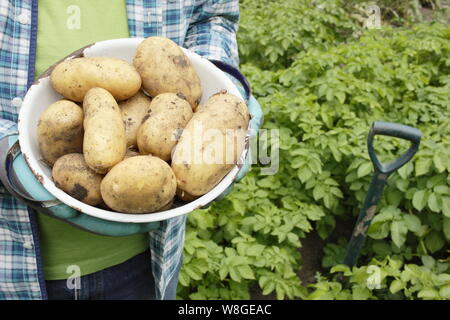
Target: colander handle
(235,73)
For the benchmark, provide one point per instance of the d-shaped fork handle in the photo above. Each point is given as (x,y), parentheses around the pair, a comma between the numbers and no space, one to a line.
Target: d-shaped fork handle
(394,130)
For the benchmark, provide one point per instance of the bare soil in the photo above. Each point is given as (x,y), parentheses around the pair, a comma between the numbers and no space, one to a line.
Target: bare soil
(311,255)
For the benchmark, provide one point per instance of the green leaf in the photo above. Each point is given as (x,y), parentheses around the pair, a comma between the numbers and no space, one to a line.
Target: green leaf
(184,279)
(439,161)
(446,206)
(281,292)
(197,296)
(396,286)
(428,261)
(234,274)
(442,279)
(268,288)
(446,228)
(406,170)
(442,189)
(364,169)
(261,194)
(360,292)
(402,185)
(318,192)
(341,268)
(193,272)
(304,174)
(434,241)
(341,96)
(423,166)
(379,230)
(395,197)
(444,292)
(382,248)
(412,222)
(255,250)
(420,199)
(223,272)
(433,203)
(398,232)
(329,94)
(273,57)
(246,272)
(239,206)
(428,293)
(337,192)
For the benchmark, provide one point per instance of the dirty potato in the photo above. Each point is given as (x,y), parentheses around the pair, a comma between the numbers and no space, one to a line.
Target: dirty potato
(167,206)
(164,67)
(162,127)
(131,153)
(72,175)
(211,144)
(141,184)
(183,195)
(104,143)
(73,78)
(60,130)
(133,112)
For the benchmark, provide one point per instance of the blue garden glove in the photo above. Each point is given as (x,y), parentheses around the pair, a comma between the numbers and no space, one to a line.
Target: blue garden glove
(18,179)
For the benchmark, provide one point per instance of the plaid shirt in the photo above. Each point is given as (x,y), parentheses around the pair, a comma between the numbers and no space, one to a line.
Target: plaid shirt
(207,27)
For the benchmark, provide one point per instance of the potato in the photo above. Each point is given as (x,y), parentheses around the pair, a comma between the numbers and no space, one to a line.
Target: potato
(104,143)
(183,195)
(167,206)
(164,67)
(211,144)
(60,130)
(161,128)
(131,153)
(140,184)
(72,175)
(73,78)
(133,112)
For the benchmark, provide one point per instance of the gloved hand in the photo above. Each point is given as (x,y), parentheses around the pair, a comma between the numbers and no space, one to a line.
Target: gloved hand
(18,179)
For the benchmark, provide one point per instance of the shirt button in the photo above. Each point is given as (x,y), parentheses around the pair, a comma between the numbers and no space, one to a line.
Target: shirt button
(24,18)
(28,245)
(16,102)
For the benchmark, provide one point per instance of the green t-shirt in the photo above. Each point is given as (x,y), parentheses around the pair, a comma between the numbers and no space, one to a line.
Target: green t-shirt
(63,27)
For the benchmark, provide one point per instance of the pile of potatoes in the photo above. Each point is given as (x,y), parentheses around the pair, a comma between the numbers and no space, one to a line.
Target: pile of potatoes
(131,137)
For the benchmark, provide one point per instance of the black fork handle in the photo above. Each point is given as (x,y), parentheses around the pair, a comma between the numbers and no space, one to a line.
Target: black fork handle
(379,179)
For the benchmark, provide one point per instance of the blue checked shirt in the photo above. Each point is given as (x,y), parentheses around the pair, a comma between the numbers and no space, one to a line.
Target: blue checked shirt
(207,27)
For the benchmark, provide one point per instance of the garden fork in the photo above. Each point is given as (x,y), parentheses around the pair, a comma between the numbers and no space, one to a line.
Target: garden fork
(379,179)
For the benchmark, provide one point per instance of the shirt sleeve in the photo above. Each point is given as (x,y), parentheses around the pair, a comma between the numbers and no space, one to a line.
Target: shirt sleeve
(212,30)
(7,128)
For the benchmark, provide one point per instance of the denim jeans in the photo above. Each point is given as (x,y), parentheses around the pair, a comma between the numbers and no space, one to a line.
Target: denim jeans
(130,280)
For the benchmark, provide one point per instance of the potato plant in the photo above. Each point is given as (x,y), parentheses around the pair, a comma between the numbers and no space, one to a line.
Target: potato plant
(322,81)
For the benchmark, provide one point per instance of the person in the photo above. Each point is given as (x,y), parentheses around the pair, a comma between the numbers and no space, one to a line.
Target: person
(75,257)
